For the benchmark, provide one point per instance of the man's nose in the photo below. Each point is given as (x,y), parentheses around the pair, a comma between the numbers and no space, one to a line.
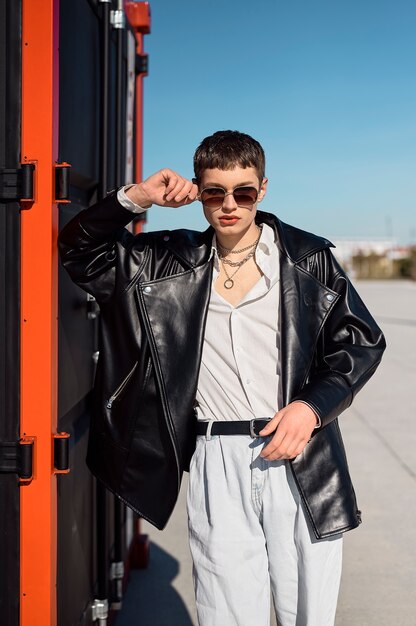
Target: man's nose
(229,202)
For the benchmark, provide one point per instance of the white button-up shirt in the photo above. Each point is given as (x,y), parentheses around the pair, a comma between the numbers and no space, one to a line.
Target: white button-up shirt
(240,366)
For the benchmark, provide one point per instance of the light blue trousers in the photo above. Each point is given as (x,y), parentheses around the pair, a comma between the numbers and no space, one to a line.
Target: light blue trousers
(248,533)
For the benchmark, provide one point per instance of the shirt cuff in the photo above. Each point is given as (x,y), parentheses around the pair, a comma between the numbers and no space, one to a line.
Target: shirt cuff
(319,423)
(126,202)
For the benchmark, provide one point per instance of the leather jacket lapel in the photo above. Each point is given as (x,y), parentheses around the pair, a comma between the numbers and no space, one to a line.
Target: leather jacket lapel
(175,310)
(305,304)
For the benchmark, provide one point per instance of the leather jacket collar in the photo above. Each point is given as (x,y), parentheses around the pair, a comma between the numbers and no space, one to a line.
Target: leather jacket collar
(194,248)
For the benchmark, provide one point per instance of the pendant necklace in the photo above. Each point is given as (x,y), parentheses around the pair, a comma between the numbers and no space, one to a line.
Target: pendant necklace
(229,283)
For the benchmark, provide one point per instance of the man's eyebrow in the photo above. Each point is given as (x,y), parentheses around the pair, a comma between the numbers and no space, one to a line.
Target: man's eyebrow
(245,184)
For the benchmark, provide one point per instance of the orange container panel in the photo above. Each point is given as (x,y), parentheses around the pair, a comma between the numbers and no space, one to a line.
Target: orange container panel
(39,228)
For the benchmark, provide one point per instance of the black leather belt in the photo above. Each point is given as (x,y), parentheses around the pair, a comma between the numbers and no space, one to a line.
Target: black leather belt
(248,427)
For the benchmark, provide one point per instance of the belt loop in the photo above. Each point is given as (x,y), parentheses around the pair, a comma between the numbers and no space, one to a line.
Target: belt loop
(209,428)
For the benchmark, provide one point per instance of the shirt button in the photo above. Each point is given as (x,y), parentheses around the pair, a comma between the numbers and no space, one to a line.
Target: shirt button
(147,289)
(329,297)
(248,381)
(166,238)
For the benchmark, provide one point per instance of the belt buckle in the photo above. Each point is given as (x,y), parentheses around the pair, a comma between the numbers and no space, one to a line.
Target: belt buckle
(256,419)
(252,433)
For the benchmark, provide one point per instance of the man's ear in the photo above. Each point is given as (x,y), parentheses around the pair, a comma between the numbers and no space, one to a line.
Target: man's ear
(263,188)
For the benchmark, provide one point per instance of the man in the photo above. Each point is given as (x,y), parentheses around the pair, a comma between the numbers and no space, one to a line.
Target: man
(229,353)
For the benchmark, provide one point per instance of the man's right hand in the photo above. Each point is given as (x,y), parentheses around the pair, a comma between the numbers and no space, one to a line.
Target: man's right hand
(165,188)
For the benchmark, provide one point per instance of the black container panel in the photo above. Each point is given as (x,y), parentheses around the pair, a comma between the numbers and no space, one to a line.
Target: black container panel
(79,145)
(10,129)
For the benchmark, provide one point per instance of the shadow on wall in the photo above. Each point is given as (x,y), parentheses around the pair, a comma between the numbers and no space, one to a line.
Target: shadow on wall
(150,597)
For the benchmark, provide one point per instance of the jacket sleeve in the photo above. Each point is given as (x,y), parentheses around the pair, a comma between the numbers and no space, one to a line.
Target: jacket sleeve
(94,247)
(349,348)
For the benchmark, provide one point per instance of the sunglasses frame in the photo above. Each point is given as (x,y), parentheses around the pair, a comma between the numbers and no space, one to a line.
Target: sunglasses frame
(230,193)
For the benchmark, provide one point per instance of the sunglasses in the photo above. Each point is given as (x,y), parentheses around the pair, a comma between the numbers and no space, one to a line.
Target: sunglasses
(213,197)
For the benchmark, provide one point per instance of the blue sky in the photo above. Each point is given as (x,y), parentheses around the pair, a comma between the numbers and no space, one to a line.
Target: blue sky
(328,88)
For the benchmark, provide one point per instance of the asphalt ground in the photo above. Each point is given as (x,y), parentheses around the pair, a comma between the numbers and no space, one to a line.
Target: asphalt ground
(378,585)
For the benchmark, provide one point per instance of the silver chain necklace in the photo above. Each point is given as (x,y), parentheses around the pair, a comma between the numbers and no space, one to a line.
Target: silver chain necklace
(238,263)
(229,283)
(231,251)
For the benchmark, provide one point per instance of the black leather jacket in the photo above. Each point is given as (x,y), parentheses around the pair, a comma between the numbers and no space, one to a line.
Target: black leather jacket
(153,290)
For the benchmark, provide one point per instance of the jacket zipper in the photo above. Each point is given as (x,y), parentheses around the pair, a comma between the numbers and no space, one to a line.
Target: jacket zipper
(157,369)
(120,388)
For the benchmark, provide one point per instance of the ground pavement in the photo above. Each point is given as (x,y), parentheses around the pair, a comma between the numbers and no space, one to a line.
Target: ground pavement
(379,573)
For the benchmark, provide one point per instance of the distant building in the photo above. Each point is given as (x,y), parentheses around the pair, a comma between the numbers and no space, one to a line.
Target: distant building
(374,258)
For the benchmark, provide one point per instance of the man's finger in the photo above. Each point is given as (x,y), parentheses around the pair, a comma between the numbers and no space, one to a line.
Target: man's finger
(192,194)
(286,450)
(295,448)
(175,190)
(271,426)
(276,446)
(170,180)
(181,190)
(184,192)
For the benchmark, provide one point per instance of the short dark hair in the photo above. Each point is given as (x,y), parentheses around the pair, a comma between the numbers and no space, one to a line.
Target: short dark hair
(227,149)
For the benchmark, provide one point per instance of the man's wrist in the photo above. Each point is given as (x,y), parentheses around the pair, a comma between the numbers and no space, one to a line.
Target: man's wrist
(137,195)
(318,419)
(127,203)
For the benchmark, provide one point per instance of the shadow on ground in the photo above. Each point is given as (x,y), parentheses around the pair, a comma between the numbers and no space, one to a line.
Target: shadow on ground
(150,599)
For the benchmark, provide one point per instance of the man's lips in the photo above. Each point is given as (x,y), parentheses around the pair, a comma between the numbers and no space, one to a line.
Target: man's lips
(228,219)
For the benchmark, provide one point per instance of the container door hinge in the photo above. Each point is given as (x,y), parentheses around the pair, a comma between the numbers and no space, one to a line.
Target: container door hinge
(16,184)
(117,577)
(99,609)
(118,19)
(16,457)
(61,453)
(62,171)
(142,64)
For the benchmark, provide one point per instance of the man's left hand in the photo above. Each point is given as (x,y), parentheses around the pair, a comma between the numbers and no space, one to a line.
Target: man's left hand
(294,425)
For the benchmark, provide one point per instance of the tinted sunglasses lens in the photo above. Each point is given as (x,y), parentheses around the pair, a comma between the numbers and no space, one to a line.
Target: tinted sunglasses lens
(212,198)
(245,196)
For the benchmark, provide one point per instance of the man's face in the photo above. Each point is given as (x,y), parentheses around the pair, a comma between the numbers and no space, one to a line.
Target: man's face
(230,218)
